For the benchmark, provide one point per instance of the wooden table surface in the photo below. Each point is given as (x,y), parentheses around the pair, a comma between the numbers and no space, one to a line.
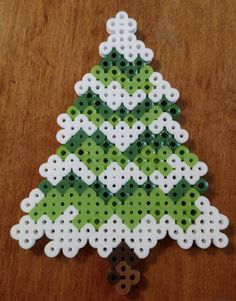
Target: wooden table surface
(45,47)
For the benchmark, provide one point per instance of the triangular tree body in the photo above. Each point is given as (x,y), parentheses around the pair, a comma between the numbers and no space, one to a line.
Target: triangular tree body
(122,179)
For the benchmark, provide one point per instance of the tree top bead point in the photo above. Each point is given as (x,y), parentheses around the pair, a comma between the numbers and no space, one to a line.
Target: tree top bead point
(122,37)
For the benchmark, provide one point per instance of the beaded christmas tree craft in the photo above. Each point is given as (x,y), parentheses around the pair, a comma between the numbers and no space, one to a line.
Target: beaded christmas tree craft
(122,179)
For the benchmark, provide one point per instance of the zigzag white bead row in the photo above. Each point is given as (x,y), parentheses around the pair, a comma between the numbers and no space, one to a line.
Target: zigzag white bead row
(114,176)
(55,169)
(71,127)
(122,38)
(121,135)
(114,95)
(35,196)
(173,127)
(67,237)
(56,166)
(162,87)
(180,170)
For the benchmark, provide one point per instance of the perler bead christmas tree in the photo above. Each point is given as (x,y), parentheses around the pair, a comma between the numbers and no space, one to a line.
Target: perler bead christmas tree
(122,179)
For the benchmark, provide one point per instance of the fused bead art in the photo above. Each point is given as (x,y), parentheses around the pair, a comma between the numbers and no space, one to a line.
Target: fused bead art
(122,179)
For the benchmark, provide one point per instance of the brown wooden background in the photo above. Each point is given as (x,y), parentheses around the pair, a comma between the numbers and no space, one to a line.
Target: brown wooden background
(45,47)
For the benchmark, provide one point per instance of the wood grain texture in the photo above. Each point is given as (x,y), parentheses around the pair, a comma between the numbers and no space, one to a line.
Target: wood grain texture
(45,47)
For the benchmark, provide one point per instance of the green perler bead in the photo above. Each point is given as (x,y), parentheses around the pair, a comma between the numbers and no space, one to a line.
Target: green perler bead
(130,119)
(72,111)
(164,168)
(146,71)
(114,72)
(181,151)
(130,87)
(139,80)
(147,168)
(114,119)
(62,152)
(191,159)
(97,71)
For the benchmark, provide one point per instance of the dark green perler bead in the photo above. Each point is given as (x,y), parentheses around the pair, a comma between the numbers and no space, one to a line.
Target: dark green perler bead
(104,194)
(139,145)
(201,186)
(164,104)
(106,63)
(90,96)
(97,104)
(139,63)
(147,136)
(131,152)
(98,137)
(148,187)
(122,194)
(106,145)
(138,111)
(131,186)
(147,104)
(164,135)
(114,56)
(172,143)
(97,185)
(179,190)
(76,140)
(157,143)
(79,186)
(63,186)
(174,110)
(45,186)
(81,103)
(122,111)
(105,111)
(71,178)
(130,71)
(122,64)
